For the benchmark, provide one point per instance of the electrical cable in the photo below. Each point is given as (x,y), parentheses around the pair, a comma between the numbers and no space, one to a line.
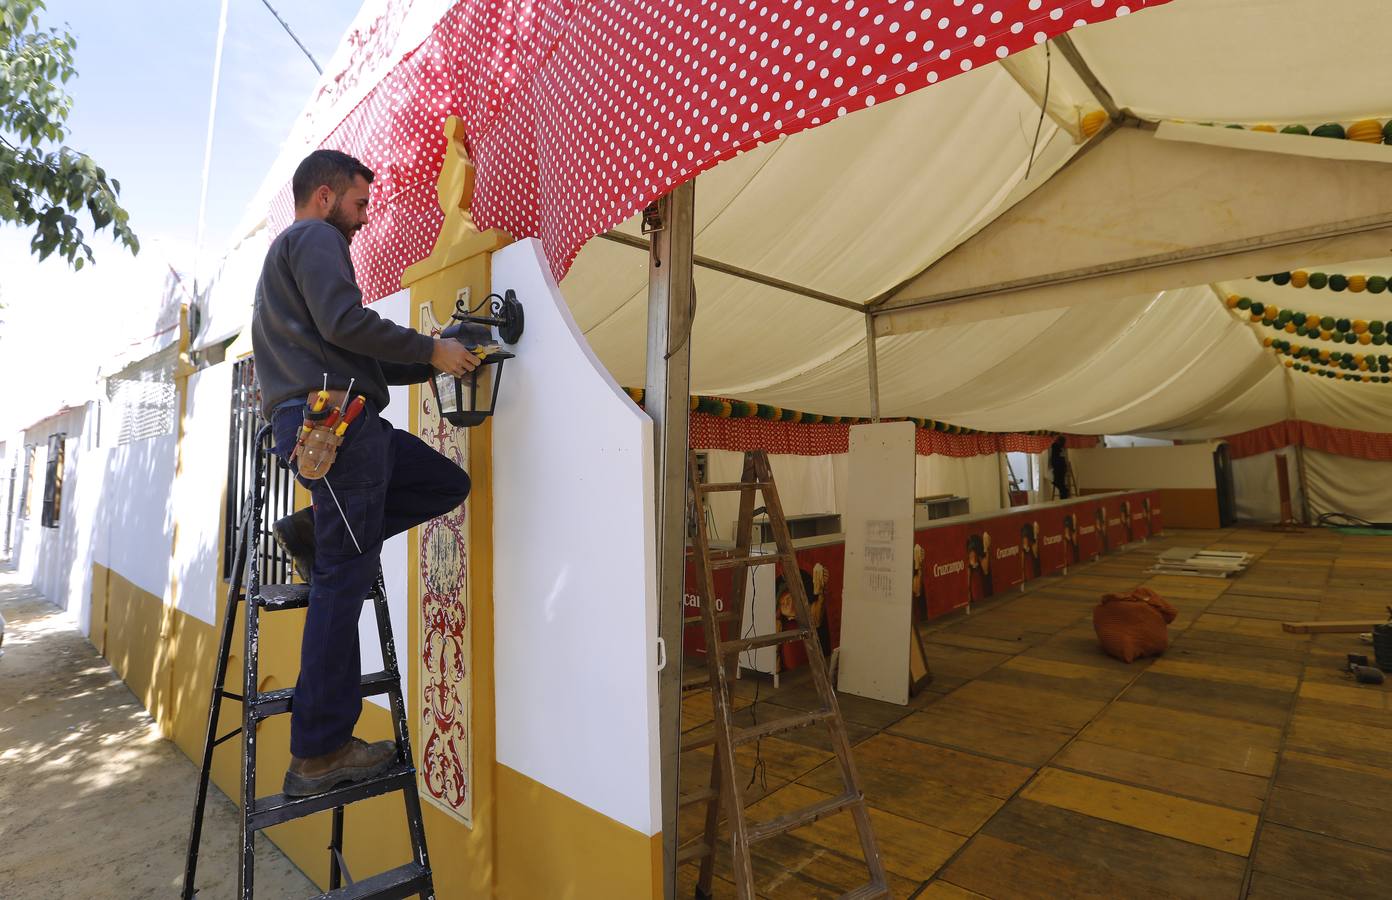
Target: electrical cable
(759,770)
(1043,108)
(1343,520)
(208,143)
(283,24)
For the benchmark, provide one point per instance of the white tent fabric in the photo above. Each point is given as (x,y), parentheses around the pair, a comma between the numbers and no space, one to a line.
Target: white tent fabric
(858,207)
(226,306)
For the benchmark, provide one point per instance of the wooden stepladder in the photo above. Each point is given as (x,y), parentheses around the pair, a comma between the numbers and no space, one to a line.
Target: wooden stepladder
(722,660)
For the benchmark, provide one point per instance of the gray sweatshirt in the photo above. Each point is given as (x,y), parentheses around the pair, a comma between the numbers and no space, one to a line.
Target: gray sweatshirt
(309,320)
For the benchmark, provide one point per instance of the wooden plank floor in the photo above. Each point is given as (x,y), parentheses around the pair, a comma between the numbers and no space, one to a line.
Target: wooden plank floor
(1243,763)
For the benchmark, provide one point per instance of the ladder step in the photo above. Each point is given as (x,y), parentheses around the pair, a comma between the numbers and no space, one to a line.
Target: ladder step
(869,891)
(778,726)
(698,850)
(698,743)
(275,597)
(719,486)
(764,640)
(800,817)
(731,562)
(274,703)
(695,684)
(277,808)
(403,881)
(702,795)
(688,621)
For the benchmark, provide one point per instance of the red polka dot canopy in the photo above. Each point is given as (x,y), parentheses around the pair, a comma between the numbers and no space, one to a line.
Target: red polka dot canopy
(578,114)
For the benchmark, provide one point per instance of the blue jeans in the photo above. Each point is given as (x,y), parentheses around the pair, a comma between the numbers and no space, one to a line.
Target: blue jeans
(386,481)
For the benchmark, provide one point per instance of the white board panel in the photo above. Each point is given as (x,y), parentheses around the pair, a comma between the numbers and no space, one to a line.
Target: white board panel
(876,616)
(395,308)
(575,611)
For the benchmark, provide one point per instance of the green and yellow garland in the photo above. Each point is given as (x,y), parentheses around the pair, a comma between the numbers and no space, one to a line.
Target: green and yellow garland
(1373,284)
(1365,131)
(1370,368)
(1375,332)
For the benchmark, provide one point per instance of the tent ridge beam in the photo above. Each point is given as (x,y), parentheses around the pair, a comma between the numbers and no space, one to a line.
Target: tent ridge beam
(716,265)
(1075,59)
(1142,263)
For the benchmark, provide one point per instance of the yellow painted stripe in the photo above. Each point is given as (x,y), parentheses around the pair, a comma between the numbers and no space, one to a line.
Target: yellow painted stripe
(1331,762)
(1225,674)
(1037,666)
(1348,696)
(945,890)
(1187,820)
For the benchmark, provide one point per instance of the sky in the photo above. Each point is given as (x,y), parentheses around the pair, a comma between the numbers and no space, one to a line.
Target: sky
(140,108)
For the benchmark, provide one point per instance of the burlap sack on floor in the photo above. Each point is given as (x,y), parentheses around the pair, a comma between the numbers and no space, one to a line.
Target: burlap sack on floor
(1130,626)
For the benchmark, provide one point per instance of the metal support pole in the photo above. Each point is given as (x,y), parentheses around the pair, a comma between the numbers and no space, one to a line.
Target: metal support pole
(671,300)
(1304,486)
(872,358)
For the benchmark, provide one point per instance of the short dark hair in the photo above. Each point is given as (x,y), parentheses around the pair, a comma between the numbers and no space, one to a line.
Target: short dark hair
(331,167)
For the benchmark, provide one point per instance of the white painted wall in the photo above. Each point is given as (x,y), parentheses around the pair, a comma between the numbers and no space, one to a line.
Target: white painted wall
(818,484)
(134,522)
(575,598)
(47,555)
(198,494)
(978,478)
(1185,466)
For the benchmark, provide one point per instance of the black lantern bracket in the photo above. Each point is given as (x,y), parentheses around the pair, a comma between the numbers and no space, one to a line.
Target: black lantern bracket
(505,315)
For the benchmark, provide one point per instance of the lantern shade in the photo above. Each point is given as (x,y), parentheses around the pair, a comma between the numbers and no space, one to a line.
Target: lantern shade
(467,401)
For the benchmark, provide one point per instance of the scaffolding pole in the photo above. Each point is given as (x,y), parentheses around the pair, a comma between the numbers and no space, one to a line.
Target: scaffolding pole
(671,304)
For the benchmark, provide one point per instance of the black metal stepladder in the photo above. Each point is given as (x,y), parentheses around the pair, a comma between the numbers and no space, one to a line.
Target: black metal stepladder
(722,654)
(258,813)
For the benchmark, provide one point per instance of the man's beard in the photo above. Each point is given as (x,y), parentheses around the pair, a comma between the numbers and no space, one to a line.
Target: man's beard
(338,219)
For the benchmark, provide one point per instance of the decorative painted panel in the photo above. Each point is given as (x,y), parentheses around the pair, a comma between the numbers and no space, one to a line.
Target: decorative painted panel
(446,676)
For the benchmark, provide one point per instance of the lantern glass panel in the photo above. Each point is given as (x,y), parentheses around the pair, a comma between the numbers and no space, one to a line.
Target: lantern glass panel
(479,386)
(445,387)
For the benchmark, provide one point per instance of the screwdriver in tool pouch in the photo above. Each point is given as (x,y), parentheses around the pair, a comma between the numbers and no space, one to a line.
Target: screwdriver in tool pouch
(316,411)
(352,413)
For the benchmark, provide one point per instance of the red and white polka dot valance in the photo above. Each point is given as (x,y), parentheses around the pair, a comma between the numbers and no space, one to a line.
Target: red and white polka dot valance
(580,113)
(803,439)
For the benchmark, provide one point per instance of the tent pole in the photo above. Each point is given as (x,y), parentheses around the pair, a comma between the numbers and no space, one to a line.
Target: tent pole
(1099,91)
(1304,485)
(1299,443)
(872,359)
(671,302)
(715,265)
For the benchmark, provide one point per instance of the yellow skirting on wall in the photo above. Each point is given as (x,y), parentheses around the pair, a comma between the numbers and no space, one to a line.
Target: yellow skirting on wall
(549,845)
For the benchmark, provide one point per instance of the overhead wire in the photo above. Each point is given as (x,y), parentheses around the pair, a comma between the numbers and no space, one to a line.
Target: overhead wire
(298,43)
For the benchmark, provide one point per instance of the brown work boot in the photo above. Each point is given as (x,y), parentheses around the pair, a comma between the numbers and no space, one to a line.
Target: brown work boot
(295,534)
(356,760)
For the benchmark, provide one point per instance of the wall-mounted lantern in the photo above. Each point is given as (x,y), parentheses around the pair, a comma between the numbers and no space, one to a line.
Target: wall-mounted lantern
(467,401)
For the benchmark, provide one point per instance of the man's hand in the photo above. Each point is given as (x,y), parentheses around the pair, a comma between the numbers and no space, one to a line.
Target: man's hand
(453,357)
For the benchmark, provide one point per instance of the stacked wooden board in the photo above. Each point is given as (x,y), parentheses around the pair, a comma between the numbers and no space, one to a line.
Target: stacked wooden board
(1201,563)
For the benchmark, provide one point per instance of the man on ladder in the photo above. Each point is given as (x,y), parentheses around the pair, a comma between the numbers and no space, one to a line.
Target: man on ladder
(311,332)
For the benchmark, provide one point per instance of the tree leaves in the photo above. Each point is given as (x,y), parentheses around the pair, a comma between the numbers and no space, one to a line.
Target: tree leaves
(43,188)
